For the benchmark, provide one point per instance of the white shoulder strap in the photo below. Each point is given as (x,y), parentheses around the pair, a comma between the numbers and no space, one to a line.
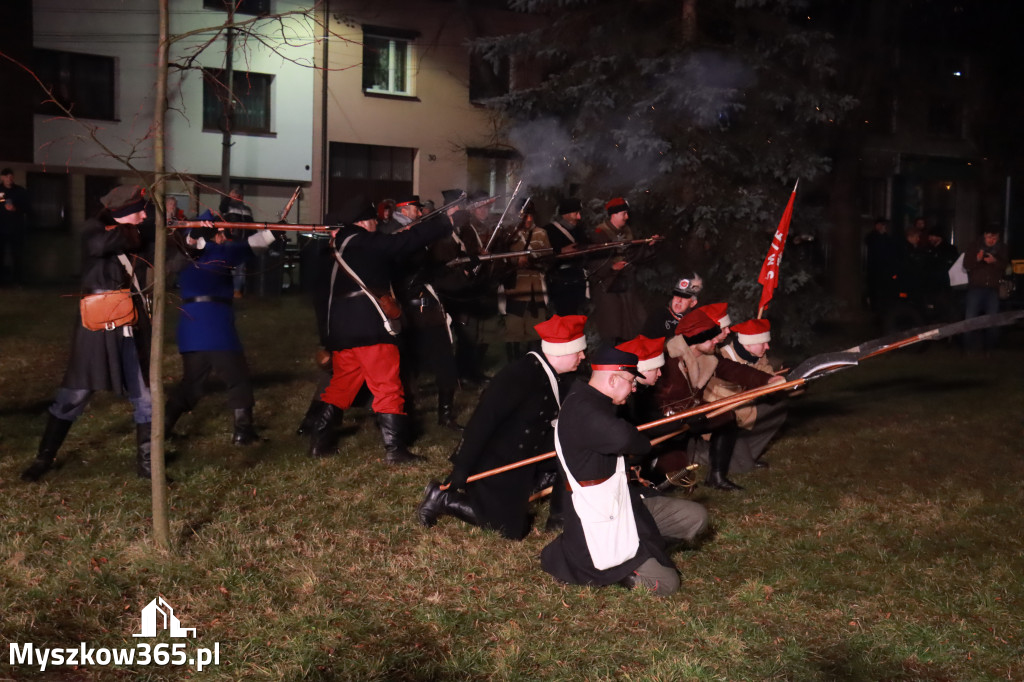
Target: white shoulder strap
(551,376)
(620,465)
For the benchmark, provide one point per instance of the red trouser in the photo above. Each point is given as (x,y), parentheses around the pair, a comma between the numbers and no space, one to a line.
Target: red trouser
(378,367)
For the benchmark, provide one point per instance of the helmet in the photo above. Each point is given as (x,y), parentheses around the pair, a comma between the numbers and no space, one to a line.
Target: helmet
(688,287)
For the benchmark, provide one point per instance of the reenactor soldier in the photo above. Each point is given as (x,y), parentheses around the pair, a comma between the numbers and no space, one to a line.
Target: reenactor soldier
(428,340)
(663,321)
(692,365)
(760,421)
(593,444)
(522,298)
(567,279)
(361,334)
(207,338)
(109,352)
(618,310)
(512,422)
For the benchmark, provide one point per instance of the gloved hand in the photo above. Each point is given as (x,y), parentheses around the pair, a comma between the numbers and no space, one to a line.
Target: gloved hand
(698,424)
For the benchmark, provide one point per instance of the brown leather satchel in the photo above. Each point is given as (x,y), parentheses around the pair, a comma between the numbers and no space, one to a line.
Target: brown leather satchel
(108,310)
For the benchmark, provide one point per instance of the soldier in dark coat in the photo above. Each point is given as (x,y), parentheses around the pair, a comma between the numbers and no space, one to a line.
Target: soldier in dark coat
(207,338)
(115,359)
(567,279)
(512,422)
(592,439)
(363,350)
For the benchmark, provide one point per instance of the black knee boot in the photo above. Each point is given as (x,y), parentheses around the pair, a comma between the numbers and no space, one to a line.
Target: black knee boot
(437,502)
(245,433)
(446,410)
(393,433)
(144,450)
(309,420)
(53,436)
(719,455)
(323,437)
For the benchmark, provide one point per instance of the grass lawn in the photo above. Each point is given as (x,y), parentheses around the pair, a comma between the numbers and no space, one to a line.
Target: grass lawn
(884,543)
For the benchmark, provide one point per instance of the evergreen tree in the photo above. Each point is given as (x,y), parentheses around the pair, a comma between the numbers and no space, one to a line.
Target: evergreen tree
(703,114)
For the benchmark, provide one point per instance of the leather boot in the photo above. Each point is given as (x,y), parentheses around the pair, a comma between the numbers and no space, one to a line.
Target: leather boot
(323,437)
(392,432)
(309,420)
(172,413)
(446,410)
(719,456)
(437,502)
(143,451)
(53,436)
(244,434)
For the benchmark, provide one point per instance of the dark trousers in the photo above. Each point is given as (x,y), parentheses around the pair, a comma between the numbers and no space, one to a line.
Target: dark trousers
(229,366)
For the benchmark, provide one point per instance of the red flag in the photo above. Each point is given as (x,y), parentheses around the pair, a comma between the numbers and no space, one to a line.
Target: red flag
(769,277)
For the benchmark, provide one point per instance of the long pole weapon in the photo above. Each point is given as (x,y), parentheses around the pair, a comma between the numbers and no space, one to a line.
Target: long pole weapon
(812,368)
(286,227)
(288,206)
(548,251)
(501,219)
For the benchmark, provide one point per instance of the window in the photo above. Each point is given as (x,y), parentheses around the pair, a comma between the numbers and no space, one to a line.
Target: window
(387,61)
(491,170)
(257,8)
(251,112)
(83,83)
(486,78)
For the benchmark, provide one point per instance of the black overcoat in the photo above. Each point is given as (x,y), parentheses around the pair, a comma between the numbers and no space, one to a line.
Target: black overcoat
(512,422)
(352,319)
(95,362)
(592,437)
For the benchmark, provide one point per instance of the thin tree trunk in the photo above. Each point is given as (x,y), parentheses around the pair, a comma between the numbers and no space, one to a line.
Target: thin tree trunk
(227,117)
(161,522)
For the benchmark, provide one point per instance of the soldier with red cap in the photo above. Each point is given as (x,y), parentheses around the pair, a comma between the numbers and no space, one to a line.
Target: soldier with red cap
(512,422)
(760,421)
(618,310)
(692,364)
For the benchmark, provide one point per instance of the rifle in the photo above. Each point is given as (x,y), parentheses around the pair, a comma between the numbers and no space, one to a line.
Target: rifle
(288,206)
(548,251)
(286,227)
(503,214)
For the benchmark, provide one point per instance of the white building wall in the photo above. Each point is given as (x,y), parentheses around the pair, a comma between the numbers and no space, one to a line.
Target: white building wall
(127,31)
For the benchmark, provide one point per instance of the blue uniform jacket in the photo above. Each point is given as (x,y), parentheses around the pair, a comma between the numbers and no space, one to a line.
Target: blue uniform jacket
(210,325)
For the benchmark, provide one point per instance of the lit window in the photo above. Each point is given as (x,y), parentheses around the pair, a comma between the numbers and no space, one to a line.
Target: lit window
(387,62)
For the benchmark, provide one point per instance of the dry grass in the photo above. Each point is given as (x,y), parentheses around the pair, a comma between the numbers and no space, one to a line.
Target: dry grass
(884,543)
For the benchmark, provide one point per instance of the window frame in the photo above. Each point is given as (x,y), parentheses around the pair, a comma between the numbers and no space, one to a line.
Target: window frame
(78,65)
(211,75)
(241,6)
(393,38)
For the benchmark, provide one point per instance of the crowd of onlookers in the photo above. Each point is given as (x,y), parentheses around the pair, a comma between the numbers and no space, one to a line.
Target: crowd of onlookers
(922,278)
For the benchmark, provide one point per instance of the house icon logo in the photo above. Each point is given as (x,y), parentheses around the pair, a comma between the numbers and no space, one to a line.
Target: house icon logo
(158,613)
